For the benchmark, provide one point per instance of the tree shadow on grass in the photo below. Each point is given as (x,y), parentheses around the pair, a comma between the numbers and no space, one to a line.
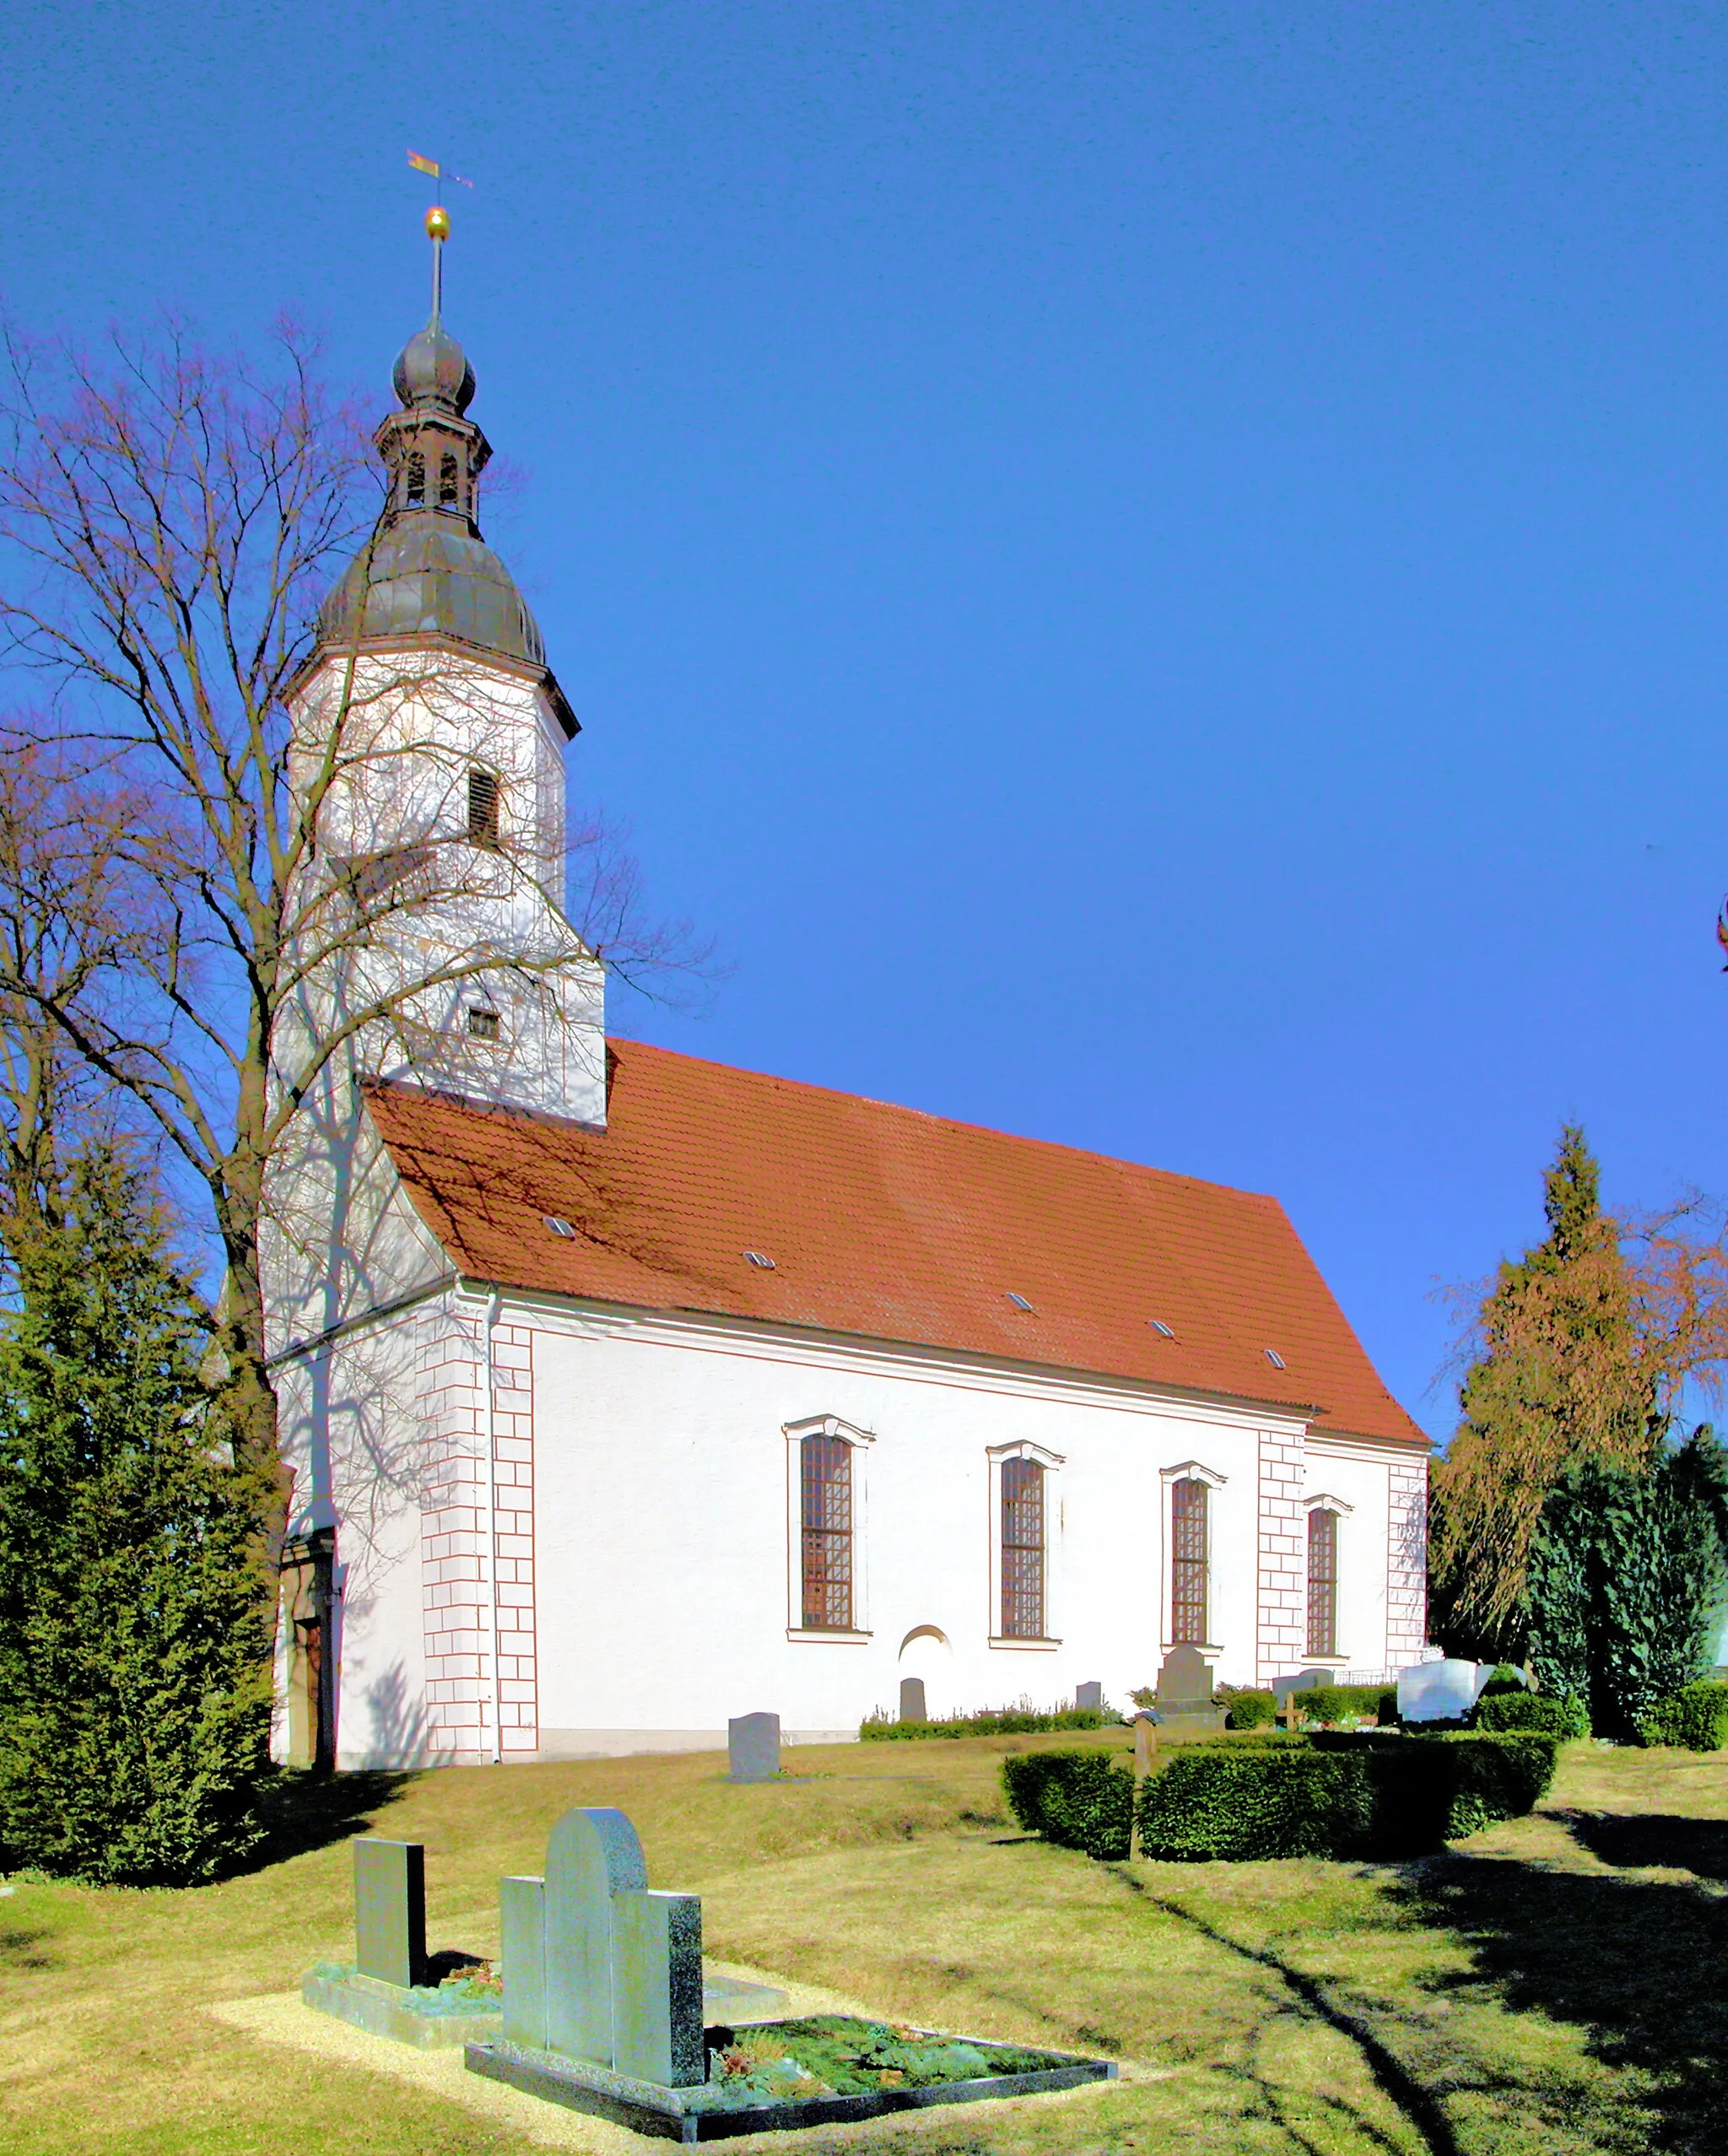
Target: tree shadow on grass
(1641,1964)
(302,1812)
(1647,1841)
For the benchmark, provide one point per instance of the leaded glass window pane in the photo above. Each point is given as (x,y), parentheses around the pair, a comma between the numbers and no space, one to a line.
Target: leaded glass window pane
(1188,1564)
(1322,1582)
(826,1465)
(1023,1550)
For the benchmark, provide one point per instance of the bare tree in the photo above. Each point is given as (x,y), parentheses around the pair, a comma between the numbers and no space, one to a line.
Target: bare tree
(302,881)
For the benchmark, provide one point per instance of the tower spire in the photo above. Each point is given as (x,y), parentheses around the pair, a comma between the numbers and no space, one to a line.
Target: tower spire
(437,231)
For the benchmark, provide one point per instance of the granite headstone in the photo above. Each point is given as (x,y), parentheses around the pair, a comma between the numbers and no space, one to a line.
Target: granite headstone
(390,1909)
(1089,1695)
(912,1702)
(753,1747)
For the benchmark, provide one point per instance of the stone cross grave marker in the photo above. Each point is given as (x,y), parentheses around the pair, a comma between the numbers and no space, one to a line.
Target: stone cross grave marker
(597,1966)
(1089,1695)
(753,1747)
(389,1911)
(912,1703)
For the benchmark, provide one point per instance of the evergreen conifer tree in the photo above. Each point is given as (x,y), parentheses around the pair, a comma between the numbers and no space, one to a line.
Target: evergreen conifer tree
(134,1673)
(1628,1580)
(1560,1377)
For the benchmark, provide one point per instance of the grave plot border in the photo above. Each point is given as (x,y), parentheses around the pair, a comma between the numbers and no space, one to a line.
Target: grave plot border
(647,2108)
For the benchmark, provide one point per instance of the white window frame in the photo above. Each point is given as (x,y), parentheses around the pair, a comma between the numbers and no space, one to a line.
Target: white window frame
(860,1441)
(1052,1464)
(1325,1502)
(1187,1471)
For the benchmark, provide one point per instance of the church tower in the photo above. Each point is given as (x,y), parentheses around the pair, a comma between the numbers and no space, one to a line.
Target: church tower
(429,735)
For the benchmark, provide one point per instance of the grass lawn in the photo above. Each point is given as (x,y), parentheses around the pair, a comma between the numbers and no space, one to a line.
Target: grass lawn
(1556,1983)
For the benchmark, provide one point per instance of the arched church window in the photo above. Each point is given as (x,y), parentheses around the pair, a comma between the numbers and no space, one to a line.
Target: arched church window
(446,482)
(825,1480)
(415,489)
(1188,1562)
(1322,1582)
(1023,1550)
(482,808)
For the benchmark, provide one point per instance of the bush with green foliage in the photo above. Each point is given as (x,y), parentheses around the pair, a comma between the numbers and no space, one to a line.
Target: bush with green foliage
(134,1655)
(1247,1708)
(1337,1703)
(881,1727)
(1504,1678)
(1696,1716)
(1628,1580)
(1341,1794)
(1564,1718)
(1078,1800)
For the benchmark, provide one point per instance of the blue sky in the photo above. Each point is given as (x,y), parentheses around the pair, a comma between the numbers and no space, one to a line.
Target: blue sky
(1154,574)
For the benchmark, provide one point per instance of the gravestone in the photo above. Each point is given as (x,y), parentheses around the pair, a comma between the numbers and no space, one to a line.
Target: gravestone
(912,1705)
(389,1911)
(1304,1680)
(1089,1695)
(1145,1746)
(1441,1691)
(1184,1696)
(597,1966)
(753,1747)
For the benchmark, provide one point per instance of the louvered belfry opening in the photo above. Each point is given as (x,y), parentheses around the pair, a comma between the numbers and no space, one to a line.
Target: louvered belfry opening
(1188,1541)
(1023,1550)
(826,1478)
(1322,1582)
(483,809)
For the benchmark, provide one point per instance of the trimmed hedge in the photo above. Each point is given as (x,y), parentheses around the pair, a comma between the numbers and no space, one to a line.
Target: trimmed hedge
(1341,1795)
(1078,1800)
(1521,1709)
(884,1728)
(1695,1716)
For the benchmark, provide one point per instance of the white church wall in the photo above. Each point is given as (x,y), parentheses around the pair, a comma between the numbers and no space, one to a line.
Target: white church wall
(350,1419)
(417,726)
(662,1536)
(1359,1477)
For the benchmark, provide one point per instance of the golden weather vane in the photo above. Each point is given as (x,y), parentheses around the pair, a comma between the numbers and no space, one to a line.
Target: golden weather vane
(437,224)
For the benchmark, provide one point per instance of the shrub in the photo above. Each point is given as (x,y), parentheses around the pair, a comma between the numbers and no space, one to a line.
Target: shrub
(882,1727)
(1335,1703)
(1695,1716)
(1521,1709)
(1079,1800)
(1386,1707)
(1341,1795)
(1248,1710)
(1505,1679)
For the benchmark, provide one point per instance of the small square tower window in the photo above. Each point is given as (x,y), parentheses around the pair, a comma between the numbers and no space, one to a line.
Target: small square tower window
(482,1025)
(482,808)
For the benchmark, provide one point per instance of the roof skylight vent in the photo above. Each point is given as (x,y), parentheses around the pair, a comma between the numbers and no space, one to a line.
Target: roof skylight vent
(1019,1302)
(558,1226)
(1273,1357)
(760,1260)
(1157,1324)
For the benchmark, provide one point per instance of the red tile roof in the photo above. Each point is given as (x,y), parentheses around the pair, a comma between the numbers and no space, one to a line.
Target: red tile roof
(888,1224)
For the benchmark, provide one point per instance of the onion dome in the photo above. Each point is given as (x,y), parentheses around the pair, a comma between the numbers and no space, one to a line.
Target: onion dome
(427,571)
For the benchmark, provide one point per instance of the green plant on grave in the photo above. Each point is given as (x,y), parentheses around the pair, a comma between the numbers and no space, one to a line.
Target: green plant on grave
(1248,1708)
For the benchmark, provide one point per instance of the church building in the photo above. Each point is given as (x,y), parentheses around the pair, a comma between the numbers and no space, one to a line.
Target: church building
(625,1393)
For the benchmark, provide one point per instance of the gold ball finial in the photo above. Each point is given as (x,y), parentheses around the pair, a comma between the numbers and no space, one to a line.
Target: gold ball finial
(437,224)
